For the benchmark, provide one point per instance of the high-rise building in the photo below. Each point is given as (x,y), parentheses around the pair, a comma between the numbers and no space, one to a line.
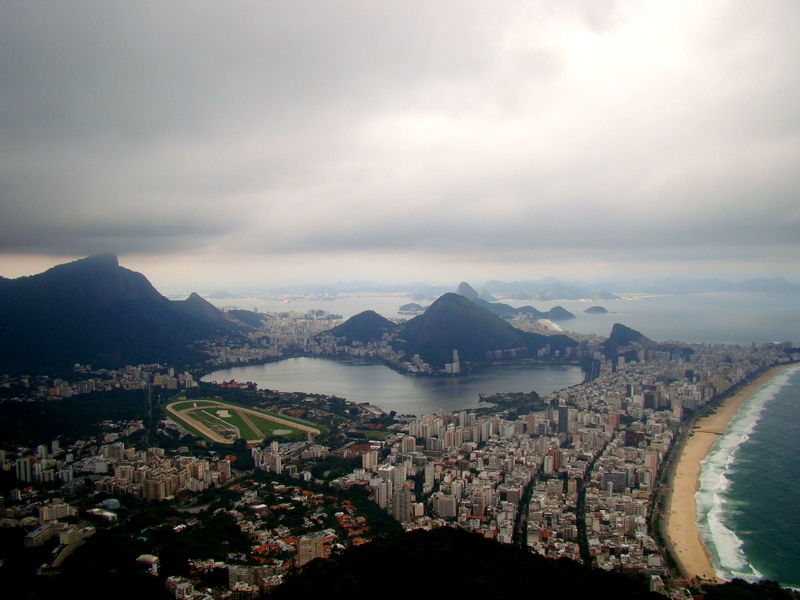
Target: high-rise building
(401,505)
(382,490)
(563,419)
(408,444)
(485,431)
(429,475)
(310,547)
(24,469)
(154,489)
(399,476)
(369,460)
(444,505)
(55,510)
(224,468)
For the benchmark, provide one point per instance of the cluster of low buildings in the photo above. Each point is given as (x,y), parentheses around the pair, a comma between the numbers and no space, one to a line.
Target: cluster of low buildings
(84,380)
(117,469)
(329,345)
(327,524)
(50,463)
(382,350)
(46,518)
(280,333)
(152,475)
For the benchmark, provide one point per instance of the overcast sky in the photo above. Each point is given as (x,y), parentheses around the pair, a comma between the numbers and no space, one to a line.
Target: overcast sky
(276,142)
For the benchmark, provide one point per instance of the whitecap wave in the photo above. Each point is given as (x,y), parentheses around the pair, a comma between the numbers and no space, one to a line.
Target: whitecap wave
(713,504)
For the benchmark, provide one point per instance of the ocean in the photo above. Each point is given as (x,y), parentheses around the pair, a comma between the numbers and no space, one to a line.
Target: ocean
(750,486)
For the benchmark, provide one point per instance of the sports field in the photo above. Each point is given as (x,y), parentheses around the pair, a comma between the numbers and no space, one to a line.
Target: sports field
(225,423)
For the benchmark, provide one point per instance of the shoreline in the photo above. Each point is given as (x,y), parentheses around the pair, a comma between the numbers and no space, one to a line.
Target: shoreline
(682,530)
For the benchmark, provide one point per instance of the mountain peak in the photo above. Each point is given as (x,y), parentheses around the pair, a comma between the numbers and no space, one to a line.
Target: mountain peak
(449,298)
(104,260)
(195,297)
(622,336)
(96,280)
(200,308)
(97,263)
(198,303)
(453,322)
(466,290)
(366,326)
(103,314)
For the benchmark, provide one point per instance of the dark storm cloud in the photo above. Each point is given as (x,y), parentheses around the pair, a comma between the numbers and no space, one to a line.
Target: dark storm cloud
(663,129)
(171,110)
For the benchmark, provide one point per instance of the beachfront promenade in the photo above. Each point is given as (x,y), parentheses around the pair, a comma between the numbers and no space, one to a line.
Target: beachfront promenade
(600,446)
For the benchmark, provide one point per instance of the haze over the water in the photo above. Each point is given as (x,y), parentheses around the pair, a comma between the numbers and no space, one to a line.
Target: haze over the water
(271,143)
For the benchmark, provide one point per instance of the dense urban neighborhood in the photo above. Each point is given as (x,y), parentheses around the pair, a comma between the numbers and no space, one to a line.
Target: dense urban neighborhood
(576,474)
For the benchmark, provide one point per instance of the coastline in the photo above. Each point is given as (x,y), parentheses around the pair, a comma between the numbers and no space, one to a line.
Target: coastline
(683,532)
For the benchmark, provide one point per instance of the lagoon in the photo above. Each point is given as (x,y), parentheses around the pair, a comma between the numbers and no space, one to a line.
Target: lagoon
(405,394)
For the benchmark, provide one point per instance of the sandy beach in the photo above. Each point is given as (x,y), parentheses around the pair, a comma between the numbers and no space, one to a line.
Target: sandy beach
(682,530)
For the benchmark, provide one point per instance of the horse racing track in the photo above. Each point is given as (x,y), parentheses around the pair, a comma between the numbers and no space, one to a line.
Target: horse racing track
(224,423)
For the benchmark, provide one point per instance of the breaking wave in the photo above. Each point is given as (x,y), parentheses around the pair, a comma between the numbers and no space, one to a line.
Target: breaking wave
(714,505)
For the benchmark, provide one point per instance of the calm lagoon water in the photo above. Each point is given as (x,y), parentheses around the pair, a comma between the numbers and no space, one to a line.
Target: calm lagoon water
(379,385)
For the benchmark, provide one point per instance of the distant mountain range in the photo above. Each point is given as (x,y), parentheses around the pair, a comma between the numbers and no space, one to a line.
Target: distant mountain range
(506,311)
(546,289)
(94,311)
(685,285)
(452,322)
(557,313)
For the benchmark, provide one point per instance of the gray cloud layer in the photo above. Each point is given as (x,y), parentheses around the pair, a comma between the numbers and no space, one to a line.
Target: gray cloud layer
(669,130)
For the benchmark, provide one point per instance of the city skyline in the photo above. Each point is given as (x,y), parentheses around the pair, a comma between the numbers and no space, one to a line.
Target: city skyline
(272,145)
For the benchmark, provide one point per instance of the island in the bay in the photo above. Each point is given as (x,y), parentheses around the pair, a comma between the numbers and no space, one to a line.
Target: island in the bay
(596,310)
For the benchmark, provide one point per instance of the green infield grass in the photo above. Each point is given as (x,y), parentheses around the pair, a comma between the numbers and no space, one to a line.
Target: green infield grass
(237,425)
(273,429)
(184,404)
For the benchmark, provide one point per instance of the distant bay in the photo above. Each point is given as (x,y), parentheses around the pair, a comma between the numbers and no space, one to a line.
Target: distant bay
(379,385)
(712,318)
